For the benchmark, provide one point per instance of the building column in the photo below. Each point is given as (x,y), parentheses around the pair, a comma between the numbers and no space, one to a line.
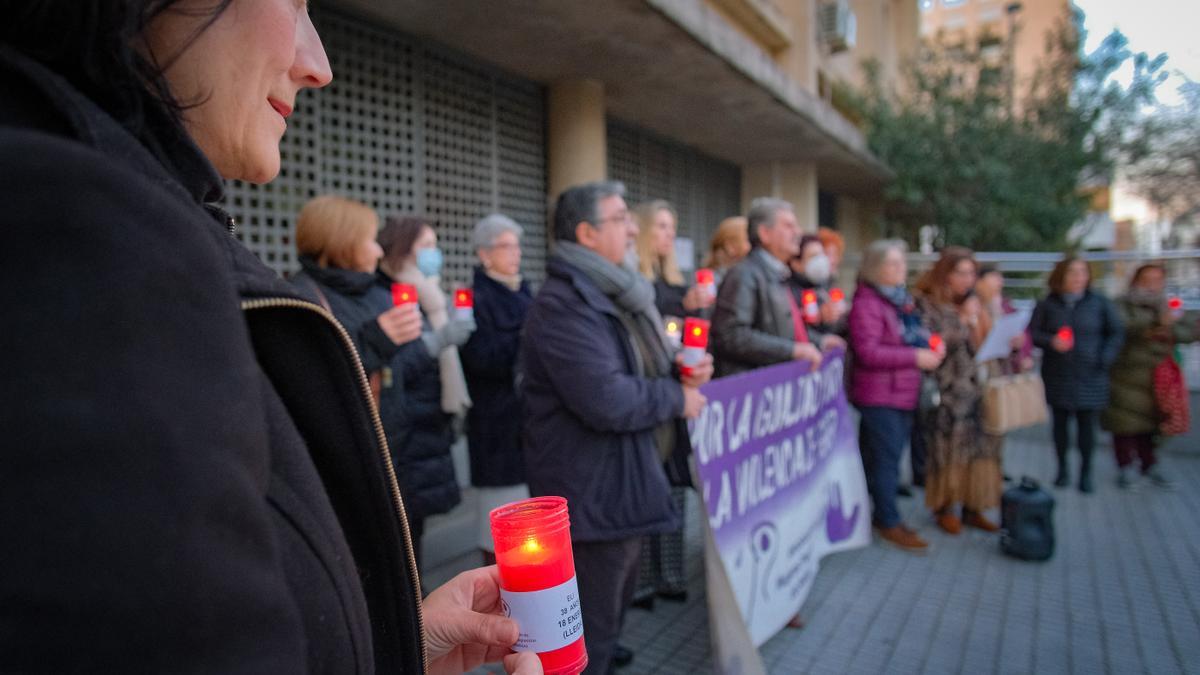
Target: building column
(576,137)
(794,181)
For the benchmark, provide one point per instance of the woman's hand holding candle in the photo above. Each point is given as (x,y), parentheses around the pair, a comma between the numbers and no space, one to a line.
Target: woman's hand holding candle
(465,627)
(697,298)
(402,323)
(699,374)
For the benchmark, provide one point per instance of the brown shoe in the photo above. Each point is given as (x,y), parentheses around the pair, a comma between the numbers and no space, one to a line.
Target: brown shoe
(903,538)
(949,522)
(978,521)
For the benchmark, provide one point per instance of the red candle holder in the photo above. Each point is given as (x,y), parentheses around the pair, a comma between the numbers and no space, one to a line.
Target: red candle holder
(537,581)
(1067,334)
(808,304)
(1175,306)
(838,298)
(403,294)
(673,327)
(695,344)
(464,304)
(707,281)
(936,343)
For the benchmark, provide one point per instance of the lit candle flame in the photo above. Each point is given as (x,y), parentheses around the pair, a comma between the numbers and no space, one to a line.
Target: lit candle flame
(531,546)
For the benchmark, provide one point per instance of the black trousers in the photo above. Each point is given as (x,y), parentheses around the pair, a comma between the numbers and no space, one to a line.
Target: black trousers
(1085,425)
(916,452)
(607,574)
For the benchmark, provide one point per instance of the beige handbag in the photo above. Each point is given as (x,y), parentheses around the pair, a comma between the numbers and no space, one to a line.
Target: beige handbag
(1013,402)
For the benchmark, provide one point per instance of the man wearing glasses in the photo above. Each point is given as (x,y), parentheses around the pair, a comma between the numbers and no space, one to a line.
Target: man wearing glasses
(604,403)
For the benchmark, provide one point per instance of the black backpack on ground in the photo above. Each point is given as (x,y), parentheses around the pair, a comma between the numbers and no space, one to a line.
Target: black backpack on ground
(1027,521)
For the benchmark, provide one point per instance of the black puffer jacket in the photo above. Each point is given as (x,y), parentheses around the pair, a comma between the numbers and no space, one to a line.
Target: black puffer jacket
(190,473)
(489,361)
(1078,379)
(419,433)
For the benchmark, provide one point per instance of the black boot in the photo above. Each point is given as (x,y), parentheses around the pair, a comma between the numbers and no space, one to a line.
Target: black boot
(1063,479)
(1085,474)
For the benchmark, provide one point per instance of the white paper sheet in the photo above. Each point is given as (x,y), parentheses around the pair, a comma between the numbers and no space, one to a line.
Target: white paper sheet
(997,343)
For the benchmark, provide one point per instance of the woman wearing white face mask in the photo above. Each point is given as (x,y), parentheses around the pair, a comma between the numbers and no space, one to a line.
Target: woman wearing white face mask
(811,271)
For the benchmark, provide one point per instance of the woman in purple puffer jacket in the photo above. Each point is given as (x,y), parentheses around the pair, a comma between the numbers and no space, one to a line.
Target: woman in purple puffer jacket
(889,350)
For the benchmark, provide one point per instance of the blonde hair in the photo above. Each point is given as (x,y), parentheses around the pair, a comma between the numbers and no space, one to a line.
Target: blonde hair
(330,229)
(731,229)
(650,264)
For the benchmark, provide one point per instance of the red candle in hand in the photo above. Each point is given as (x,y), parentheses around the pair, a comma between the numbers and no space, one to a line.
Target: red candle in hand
(402,294)
(808,302)
(537,581)
(1175,305)
(1067,335)
(464,303)
(935,343)
(695,343)
(706,281)
(838,298)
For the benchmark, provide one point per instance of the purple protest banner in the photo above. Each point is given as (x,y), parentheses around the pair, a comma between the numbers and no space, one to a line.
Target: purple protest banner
(782,482)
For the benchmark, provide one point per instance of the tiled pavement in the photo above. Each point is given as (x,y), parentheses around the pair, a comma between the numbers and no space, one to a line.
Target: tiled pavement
(1121,594)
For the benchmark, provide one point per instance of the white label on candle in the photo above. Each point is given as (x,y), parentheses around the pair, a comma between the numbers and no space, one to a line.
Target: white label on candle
(549,619)
(464,313)
(692,356)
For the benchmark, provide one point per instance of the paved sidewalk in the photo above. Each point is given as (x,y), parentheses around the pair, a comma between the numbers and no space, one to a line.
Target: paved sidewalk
(1120,595)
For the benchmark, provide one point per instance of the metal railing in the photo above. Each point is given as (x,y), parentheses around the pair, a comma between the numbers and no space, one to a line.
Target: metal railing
(1027,270)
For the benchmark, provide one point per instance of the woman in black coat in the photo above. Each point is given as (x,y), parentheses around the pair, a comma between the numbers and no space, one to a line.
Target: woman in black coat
(335,238)
(1080,334)
(657,229)
(423,388)
(489,359)
(198,485)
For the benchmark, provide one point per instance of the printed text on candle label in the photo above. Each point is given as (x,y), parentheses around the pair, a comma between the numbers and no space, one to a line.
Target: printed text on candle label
(549,619)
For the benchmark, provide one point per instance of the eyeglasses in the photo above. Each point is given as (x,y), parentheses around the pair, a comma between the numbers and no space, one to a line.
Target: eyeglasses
(622,217)
(504,246)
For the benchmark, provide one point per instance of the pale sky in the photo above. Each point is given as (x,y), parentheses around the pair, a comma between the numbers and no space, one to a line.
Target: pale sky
(1152,26)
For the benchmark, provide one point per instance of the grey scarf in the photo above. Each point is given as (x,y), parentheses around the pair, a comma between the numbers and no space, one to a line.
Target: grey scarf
(632,295)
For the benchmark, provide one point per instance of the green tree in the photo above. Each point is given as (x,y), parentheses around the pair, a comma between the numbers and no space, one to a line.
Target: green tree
(993,168)
(1163,167)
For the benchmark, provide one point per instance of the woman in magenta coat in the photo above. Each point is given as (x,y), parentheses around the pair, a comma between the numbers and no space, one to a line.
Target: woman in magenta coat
(889,349)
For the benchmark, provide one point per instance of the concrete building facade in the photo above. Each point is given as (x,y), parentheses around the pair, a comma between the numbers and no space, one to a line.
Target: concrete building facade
(456,109)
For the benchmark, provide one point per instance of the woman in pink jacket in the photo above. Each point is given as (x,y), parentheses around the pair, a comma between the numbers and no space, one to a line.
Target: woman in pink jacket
(889,350)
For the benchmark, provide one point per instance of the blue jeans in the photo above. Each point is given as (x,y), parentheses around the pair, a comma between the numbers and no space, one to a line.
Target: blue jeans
(882,434)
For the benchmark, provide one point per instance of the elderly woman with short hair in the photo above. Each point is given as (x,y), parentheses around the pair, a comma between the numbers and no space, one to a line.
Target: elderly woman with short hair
(489,359)
(890,349)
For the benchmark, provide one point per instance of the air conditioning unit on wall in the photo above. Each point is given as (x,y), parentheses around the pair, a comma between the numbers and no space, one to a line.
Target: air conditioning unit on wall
(837,25)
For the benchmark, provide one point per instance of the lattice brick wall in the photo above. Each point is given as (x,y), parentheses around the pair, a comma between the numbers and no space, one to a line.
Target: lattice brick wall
(704,190)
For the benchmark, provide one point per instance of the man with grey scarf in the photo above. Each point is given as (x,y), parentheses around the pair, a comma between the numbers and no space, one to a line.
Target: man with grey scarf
(604,403)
